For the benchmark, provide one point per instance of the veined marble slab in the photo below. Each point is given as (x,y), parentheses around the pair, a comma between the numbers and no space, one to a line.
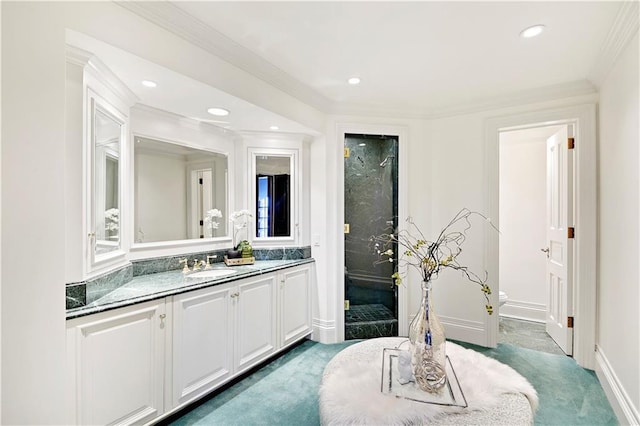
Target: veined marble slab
(147,287)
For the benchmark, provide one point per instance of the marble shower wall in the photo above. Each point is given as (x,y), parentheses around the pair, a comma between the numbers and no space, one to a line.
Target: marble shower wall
(371,183)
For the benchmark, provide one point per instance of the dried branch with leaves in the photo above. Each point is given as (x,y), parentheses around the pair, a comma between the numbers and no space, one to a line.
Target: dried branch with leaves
(430,257)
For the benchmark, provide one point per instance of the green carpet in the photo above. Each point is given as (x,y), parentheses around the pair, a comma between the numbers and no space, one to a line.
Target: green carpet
(285,391)
(568,393)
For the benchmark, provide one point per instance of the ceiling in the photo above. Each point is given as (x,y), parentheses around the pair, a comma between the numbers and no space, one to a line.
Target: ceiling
(415,59)
(418,56)
(179,94)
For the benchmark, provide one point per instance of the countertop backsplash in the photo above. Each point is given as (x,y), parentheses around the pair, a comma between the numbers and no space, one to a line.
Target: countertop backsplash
(81,294)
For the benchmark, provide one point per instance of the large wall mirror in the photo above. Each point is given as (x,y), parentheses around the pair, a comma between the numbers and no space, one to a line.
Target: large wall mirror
(107,137)
(273,194)
(180,192)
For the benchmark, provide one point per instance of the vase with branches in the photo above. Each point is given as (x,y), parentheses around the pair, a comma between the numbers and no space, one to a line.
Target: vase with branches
(430,258)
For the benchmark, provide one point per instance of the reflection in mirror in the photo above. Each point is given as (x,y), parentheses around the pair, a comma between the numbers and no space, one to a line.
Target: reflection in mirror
(107,133)
(180,192)
(273,205)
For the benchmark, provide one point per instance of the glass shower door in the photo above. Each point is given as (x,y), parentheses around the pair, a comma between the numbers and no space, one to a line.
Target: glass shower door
(371,206)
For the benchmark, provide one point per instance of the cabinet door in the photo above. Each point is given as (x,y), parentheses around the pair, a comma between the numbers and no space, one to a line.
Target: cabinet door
(256,320)
(118,364)
(295,306)
(202,341)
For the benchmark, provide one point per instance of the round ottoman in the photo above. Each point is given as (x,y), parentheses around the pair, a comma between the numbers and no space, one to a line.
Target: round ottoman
(351,391)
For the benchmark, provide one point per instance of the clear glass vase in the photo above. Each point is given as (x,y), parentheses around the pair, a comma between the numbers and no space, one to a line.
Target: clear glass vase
(427,345)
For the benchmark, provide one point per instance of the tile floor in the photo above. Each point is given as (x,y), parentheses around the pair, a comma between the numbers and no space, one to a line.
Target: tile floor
(368,321)
(527,334)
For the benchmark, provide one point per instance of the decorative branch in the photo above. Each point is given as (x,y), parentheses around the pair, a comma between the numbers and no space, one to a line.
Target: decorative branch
(430,257)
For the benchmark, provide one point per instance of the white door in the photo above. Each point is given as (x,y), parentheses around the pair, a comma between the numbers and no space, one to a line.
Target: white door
(560,247)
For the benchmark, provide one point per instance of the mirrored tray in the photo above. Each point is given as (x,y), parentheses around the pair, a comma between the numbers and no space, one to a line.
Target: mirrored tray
(451,394)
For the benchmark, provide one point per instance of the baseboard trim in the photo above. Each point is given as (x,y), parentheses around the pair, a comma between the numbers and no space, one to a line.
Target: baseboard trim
(524,310)
(517,317)
(464,331)
(616,394)
(324,331)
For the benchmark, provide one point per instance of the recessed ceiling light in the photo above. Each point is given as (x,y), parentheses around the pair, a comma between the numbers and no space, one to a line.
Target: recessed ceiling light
(220,112)
(274,128)
(149,83)
(532,31)
(354,80)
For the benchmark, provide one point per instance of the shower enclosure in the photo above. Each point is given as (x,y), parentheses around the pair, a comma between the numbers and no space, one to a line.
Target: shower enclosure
(371,208)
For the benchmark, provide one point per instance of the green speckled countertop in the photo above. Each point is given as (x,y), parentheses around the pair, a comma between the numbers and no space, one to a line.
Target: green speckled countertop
(155,286)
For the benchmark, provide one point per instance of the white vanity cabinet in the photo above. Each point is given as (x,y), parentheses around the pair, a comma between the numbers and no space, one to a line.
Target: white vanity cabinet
(136,363)
(294,304)
(219,332)
(202,333)
(117,365)
(256,320)
(222,331)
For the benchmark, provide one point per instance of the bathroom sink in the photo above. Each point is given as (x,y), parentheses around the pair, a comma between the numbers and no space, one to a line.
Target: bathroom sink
(212,273)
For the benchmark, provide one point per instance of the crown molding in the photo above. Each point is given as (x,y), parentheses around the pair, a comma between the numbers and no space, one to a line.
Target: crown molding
(103,73)
(188,122)
(175,20)
(624,27)
(531,96)
(77,56)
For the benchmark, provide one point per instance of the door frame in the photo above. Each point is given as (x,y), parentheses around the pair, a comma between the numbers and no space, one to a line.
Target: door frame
(371,129)
(584,270)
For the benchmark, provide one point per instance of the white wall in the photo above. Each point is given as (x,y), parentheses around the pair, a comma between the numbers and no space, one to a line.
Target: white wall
(618,337)
(0,217)
(163,207)
(522,228)
(457,173)
(33,215)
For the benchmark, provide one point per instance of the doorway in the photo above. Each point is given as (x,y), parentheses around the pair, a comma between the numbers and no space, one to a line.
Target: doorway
(535,254)
(583,117)
(370,208)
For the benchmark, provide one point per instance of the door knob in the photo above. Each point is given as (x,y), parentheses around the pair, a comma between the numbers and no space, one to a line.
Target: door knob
(545,250)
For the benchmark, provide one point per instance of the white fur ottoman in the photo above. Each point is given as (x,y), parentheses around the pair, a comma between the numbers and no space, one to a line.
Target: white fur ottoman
(350,392)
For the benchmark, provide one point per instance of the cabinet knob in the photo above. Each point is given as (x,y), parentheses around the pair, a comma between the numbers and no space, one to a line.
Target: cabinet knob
(235,294)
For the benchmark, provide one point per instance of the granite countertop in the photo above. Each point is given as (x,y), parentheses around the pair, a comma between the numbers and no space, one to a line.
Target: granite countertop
(143,288)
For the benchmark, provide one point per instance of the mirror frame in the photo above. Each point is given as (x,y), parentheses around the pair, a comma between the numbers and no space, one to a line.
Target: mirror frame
(292,154)
(192,242)
(95,103)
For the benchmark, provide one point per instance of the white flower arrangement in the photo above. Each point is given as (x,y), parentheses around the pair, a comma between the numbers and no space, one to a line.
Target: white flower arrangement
(210,221)
(241,216)
(112,219)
